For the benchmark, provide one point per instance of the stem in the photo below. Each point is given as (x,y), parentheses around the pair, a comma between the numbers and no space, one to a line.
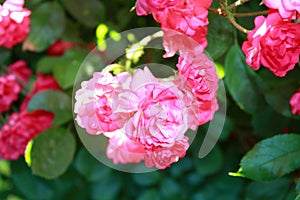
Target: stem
(265,12)
(236,25)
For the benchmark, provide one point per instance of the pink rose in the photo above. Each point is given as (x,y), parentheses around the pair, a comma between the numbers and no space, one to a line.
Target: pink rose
(158,113)
(274,43)
(20,129)
(42,83)
(95,105)
(295,103)
(9,91)
(14,23)
(286,8)
(164,157)
(20,70)
(123,150)
(186,17)
(199,82)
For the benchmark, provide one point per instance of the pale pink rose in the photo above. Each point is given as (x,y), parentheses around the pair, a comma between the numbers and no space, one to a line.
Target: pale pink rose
(286,8)
(14,23)
(164,157)
(198,80)
(274,43)
(187,17)
(95,103)
(9,91)
(295,103)
(158,113)
(123,150)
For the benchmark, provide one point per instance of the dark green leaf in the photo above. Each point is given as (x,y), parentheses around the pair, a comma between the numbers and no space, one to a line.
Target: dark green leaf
(65,70)
(276,189)
(4,58)
(106,189)
(149,195)
(272,158)
(263,123)
(241,82)
(211,163)
(45,65)
(46,26)
(219,37)
(146,179)
(55,101)
(89,167)
(170,189)
(88,12)
(52,152)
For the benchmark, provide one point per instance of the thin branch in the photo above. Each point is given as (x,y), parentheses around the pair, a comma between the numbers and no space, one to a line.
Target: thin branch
(265,12)
(237,3)
(236,25)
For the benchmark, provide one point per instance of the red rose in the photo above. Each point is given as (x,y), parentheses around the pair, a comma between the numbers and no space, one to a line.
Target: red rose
(20,70)
(59,48)
(20,129)
(42,83)
(295,103)
(9,91)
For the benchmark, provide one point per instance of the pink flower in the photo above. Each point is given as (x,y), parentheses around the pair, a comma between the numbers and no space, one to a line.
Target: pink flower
(95,105)
(20,129)
(274,43)
(9,91)
(123,150)
(158,113)
(286,8)
(198,80)
(295,103)
(164,157)
(42,83)
(20,70)
(183,16)
(14,23)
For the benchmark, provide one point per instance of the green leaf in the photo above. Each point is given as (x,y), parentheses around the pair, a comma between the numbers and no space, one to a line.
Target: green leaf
(46,26)
(151,194)
(66,68)
(298,197)
(276,189)
(45,64)
(4,58)
(170,189)
(52,152)
(89,167)
(272,158)
(88,12)
(211,163)
(241,82)
(32,187)
(219,38)
(278,91)
(147,179)
(106,189)
(263,123)
(55,101)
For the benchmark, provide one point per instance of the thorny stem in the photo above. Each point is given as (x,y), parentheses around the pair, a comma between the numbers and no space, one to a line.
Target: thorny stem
(250,14)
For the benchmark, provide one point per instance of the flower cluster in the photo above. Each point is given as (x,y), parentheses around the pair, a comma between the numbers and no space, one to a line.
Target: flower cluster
(145,118)
(14,23)
(22,127)
(275,42)
(188,17)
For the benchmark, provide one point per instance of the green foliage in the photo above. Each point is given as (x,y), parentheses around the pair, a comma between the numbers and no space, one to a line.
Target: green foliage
(241,82)
(47,25)
(54,101)
(52,152)
(272,158)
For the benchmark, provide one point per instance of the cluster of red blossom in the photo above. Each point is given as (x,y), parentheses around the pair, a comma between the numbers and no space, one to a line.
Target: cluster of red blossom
(22,126)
